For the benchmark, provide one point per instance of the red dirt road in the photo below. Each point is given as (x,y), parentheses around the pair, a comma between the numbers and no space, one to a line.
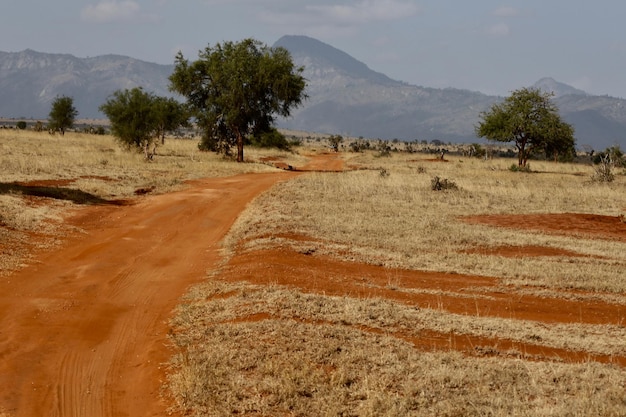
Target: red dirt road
(83,330)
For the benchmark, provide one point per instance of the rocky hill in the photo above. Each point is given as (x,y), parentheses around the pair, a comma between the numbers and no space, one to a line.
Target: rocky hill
(345,96)
(30,80)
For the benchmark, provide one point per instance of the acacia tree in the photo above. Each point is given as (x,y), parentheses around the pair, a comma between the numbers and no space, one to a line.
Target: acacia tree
(139,119)
(529,119)
(169,114)
(62,114)
(237,90)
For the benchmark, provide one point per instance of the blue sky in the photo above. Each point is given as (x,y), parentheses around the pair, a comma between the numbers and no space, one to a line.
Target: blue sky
(481,45)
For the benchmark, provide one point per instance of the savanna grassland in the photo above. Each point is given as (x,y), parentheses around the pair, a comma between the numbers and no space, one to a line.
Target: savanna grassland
(44,177)
(368,293)
(365,292)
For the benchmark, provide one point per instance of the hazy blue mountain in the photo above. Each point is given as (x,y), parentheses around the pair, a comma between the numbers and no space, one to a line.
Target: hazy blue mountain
(30,80)
(345,96)
(550,85)
(348,98)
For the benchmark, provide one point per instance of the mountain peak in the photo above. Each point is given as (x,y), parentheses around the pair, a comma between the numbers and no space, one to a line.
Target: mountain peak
(321,54)
(550,85)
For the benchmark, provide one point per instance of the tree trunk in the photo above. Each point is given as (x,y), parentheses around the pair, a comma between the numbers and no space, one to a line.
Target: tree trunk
(239,146)
(521,153)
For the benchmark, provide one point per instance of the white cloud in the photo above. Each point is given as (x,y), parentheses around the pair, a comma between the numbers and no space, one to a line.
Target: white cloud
(366,11)
(499,30)
(328,20)
(111,10)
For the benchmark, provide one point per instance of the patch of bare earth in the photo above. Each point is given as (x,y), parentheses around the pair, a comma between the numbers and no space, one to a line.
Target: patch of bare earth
(453,293)
(581,224)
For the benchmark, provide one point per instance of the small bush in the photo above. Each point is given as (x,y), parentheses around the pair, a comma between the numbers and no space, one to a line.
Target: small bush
(439,184)
(295,141)
(603,171)
(21,125)
(359,145)
(334,141)
(384,150)
(477,151)
(517,168)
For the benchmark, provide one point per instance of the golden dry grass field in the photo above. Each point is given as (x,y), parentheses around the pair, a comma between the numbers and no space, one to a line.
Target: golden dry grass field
(365,292)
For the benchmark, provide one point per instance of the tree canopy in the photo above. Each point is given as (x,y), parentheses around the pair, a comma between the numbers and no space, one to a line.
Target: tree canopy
(169,115)
(237,90)
(62,114)
(138,119)
(529,119)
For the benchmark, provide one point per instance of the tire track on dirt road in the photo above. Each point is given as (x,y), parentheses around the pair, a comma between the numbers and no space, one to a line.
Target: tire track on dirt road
(83,329)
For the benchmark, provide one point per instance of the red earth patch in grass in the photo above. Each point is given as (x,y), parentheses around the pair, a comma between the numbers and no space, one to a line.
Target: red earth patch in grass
(470,345)
(522,251)
(579,224)
(455,293)
(328,276)
(98,177)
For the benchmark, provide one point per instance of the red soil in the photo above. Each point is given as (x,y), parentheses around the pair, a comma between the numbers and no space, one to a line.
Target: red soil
(587,225)
(83,329)
(523,251)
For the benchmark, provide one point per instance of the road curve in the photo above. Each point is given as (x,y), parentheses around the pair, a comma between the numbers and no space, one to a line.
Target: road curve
(83,329)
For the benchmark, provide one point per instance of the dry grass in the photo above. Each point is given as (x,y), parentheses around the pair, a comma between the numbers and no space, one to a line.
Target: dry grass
(397,220)
(273,351)
(44,176)
(258,350)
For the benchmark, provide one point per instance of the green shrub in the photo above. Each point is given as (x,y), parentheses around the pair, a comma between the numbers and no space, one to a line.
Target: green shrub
(517,168)
(271,139)
(476,150)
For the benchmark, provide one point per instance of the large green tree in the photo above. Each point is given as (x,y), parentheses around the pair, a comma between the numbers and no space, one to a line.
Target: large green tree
(62,114)
(529,119)
(139,119)
(236,89)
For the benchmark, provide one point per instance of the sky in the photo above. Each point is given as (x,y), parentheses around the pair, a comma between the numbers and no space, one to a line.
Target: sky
(490,46)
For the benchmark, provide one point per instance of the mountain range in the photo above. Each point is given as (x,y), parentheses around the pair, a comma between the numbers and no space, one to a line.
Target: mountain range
(345,96)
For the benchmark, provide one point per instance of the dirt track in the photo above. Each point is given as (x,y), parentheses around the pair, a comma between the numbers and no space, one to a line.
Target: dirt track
(83,330)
